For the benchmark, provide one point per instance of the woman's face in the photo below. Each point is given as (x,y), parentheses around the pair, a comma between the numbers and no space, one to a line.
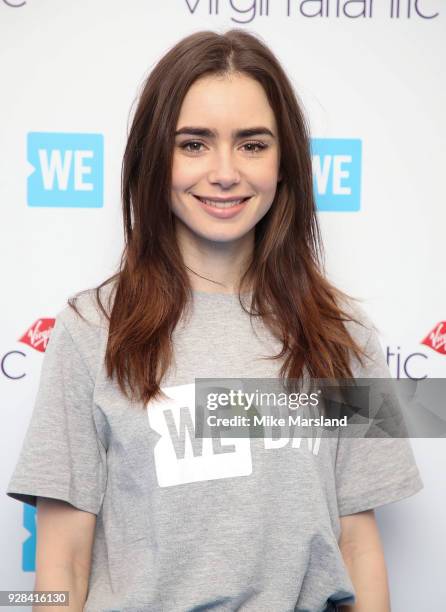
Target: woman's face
(226,158)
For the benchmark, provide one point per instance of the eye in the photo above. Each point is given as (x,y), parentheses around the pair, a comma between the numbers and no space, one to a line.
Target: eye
(256,146)
(194,146)
(191,146)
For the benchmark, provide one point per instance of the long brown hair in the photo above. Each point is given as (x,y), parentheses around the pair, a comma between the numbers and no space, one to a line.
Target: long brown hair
(286,275)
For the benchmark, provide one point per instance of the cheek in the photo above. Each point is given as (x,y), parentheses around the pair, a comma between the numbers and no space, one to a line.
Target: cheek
(184,174)
(177,175)
(265,179)
(262,175)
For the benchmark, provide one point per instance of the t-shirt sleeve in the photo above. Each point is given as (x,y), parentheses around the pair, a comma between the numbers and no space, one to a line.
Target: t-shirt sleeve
(371,472)
(61,455)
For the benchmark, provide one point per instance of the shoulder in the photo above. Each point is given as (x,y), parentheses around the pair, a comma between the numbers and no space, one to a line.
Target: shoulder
(358,322)
(88,309)
(84,327)
(365,334)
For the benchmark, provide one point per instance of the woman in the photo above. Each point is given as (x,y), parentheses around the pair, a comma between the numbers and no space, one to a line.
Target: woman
(137,512)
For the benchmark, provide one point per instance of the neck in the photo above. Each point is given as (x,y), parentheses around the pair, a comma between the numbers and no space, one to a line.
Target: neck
(214,266)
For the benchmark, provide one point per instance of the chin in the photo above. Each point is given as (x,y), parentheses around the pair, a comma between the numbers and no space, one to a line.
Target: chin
(221,236)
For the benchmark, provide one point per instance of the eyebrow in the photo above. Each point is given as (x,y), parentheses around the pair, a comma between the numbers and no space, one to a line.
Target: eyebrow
(207,133)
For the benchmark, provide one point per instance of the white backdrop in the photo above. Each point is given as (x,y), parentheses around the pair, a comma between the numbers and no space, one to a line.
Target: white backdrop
(76,67)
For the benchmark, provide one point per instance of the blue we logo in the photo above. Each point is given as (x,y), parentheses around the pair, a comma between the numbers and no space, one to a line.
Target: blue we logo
(29,545)
(68,170)
(337,173)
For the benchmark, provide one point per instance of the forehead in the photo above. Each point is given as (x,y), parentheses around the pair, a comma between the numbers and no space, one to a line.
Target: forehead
(229,100)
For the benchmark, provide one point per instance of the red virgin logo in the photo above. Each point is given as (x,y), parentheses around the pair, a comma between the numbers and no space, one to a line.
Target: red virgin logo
(38,334)
(436,339)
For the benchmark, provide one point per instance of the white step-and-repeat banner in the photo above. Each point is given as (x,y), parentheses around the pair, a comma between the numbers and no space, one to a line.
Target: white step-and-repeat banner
(371,76)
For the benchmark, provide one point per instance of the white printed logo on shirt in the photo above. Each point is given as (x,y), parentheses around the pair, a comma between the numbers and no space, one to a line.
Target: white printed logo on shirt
(180,457)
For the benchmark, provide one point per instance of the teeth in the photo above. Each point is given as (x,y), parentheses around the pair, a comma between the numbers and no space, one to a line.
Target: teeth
(227,204)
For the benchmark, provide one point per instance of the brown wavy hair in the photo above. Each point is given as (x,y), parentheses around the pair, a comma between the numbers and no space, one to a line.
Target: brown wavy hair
(286,274)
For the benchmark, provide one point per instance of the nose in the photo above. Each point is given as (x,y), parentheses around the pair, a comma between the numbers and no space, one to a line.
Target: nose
(224,171)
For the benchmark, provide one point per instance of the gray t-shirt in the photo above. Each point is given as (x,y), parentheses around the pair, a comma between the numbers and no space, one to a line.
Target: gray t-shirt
(184,524)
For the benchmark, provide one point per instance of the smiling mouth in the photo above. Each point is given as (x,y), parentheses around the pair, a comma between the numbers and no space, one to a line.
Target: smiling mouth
(223,204)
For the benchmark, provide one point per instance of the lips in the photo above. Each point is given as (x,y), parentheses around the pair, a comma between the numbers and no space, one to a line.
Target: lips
(218,200)
(222,203)
(222,208)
